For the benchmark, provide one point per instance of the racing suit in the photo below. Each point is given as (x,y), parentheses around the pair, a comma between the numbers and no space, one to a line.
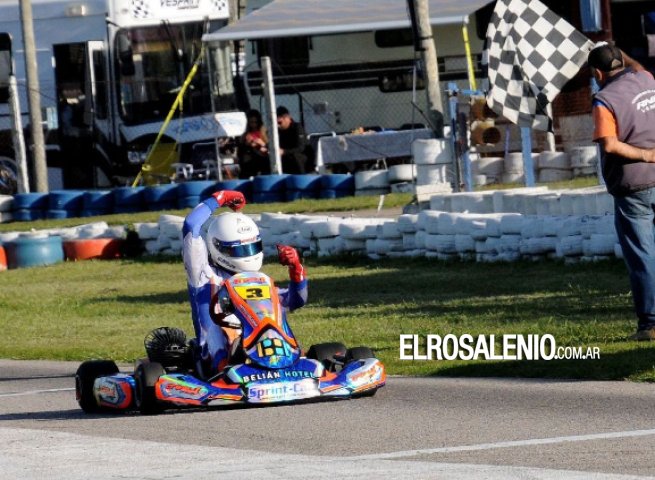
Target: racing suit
(205,279)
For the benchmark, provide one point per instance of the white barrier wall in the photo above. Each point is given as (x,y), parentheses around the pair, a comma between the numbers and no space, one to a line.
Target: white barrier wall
(495,226)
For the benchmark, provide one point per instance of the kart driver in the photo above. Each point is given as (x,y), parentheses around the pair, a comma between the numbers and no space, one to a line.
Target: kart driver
(232,245)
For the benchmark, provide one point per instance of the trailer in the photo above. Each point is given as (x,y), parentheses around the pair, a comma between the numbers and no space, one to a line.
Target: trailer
(109,73)
(348,65)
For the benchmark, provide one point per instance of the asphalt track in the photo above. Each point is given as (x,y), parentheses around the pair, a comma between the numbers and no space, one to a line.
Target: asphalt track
(413,428)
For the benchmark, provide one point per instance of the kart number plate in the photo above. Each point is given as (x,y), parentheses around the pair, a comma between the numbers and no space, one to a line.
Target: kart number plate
(260,292)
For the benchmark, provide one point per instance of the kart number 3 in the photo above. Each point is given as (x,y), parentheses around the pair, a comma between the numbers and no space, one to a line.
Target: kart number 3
(254,293)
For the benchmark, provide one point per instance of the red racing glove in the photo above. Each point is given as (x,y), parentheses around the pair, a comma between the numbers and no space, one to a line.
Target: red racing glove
(231,199)
(288,256)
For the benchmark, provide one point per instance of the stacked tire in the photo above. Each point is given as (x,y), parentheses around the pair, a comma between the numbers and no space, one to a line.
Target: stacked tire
(160,197)
(99,202)
(554,167)
(269,188)
(372,182)
(432,158)
(128,199)
(30,206)
(243,186)
(337,185)
(302,187)
(190,194)
(65,204)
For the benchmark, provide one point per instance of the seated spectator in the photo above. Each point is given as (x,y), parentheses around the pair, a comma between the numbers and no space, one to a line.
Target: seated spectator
(253,147)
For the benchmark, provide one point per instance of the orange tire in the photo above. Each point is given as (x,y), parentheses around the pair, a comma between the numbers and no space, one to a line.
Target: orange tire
(98,248)
(3,258)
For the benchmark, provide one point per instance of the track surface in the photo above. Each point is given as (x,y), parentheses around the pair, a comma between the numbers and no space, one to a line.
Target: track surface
(413,428)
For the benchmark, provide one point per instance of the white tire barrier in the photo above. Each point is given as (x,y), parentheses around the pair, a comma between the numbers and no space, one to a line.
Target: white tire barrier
(371,179)
(584,157)
(432,174)
(547,175)
(431,151)
(402,173)
(554,160)
(489,166)
(513,163)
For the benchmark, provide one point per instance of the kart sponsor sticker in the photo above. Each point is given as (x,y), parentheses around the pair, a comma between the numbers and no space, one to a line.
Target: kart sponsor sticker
(282,392)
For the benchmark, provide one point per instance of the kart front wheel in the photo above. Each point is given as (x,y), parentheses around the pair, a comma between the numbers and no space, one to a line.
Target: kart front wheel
(86,376)
(360,353)
(325,352)
(146,375)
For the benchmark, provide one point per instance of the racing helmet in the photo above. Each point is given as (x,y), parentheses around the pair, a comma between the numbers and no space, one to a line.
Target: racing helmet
(234,243)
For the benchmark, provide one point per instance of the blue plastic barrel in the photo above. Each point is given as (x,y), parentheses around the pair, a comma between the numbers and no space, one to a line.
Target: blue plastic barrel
(93,213)
(333,193)
(31,252)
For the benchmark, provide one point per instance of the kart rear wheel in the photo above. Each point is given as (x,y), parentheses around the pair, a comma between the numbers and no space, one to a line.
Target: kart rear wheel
(358,353)
(146,375)
(325,352)
(85,377)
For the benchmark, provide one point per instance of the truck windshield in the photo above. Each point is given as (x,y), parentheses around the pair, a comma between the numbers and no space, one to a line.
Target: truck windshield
(152,64)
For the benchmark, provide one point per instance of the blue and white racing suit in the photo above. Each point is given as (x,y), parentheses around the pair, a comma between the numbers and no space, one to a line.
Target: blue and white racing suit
(205,279)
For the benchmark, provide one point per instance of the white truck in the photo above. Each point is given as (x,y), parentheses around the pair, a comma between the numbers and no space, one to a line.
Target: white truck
(109,72)
(341,65)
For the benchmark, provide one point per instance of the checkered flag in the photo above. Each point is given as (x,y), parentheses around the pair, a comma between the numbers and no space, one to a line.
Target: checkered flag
(531,54)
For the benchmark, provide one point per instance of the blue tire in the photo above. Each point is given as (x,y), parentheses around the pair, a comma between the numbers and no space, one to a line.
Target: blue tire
(31,252)
(59,214)
(269,183)
(131,197)
(31,201)
(194,189)
(89,212)
(244,186)
(292,195)
(333,193)
(98,200)
(71,200)
(160,193)
(128,208)
(268,197)
(27,215)
(158,206)
(188,202)
(340,181)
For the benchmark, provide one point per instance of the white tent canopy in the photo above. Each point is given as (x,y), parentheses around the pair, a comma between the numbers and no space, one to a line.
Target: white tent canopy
(289,18)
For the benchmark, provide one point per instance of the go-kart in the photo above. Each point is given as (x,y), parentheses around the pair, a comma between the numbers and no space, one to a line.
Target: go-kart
(266,366)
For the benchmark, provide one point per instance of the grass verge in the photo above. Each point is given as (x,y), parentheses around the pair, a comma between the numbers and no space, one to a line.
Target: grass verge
(76,311)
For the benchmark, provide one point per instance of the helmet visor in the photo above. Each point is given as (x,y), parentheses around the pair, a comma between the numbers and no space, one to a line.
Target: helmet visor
(238,250)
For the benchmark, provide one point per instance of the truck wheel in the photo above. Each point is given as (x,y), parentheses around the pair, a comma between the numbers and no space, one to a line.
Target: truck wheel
(146,375)
(85,377)
(325,352)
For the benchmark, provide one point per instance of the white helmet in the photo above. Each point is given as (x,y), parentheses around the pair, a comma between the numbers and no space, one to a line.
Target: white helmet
(234,243)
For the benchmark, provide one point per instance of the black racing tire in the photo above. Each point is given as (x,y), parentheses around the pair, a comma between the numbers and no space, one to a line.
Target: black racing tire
(325,352)
(85,377)
(358,353)
(146,375)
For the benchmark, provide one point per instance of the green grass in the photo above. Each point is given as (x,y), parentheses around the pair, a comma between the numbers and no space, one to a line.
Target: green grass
(76,311)
(578,182)
(345,204)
